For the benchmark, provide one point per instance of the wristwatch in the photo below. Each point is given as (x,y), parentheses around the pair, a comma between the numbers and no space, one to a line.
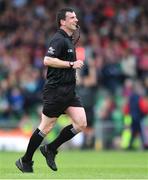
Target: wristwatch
(71,64)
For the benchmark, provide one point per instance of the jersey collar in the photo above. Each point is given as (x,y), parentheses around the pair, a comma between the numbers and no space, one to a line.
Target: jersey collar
(64,34)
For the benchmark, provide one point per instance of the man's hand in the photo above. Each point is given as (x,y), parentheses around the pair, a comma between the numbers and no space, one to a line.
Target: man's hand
(78,64)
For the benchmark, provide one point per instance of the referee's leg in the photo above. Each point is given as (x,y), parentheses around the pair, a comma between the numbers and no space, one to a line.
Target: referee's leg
(77,114)
(25,163)
(78,117)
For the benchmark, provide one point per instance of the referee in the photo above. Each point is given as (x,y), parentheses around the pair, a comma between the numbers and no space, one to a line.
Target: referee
(59,95)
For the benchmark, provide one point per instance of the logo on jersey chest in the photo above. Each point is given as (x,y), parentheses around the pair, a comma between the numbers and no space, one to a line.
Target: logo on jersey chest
(69,50)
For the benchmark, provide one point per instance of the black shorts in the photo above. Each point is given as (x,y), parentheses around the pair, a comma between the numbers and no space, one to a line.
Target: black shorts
(57,100)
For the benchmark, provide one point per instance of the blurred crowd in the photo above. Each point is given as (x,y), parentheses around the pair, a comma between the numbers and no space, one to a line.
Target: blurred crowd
(114,38)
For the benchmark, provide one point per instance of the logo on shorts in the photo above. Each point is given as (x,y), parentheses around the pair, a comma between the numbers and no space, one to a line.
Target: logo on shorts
(51,50)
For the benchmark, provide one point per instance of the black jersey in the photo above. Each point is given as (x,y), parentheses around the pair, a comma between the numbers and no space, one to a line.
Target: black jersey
(61,47)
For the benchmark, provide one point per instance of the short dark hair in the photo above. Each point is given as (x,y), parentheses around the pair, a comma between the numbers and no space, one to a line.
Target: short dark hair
(61,15)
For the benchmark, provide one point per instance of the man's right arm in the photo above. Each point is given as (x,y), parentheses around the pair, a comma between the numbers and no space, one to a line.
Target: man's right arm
(56,48)
(57,63)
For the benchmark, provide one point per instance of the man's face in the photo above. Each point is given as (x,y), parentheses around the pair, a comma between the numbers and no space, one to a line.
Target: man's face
(71,21)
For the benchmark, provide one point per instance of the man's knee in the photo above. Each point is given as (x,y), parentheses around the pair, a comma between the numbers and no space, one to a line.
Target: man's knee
(47,124)
(80,125)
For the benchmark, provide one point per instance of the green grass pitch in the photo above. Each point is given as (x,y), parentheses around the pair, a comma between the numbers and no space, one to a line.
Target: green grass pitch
(80,165)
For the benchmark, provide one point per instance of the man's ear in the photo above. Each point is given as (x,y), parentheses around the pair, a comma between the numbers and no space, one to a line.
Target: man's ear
(62,22)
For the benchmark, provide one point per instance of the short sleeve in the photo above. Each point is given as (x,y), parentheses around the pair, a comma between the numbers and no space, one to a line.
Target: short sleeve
(56,47)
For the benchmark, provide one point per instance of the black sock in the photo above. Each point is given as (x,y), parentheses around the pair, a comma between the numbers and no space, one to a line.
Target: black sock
(34,143)
(66,134)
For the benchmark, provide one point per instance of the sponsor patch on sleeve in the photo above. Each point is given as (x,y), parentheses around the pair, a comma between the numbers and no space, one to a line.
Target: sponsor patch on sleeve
(51,50)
